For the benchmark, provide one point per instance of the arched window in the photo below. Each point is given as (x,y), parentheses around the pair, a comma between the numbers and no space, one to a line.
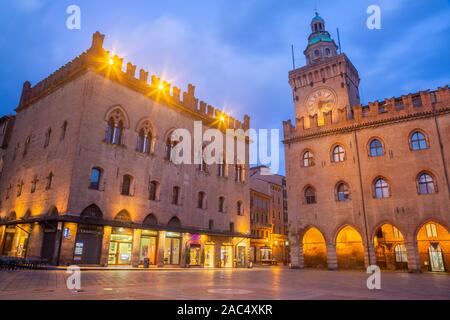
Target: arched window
(342,192)
(127,181)
(114,132)
(92,211)
(153,190)
(381,189)
(418,141)
(171,142)
(53,212)
(96,175)
(222,204)
(338,154)
(48,136)
(26,146)
(400,253)
(123,216)
(239,208)
(310,195)
(48,185)
(426,184)
(176,195)
(150,220)
(201,200)
(12,216)
(376,148)
(63,131)
(308,159)
(327,51)
(144,142)
(174,222)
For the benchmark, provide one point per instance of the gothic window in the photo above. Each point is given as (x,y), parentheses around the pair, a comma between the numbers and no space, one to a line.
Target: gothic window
(431,230)
(63,131)
(114,131)
(310,195)
(201,200)
(381,189)
(153,190)
(48,185)
(342,192)
(96,175)
(171,143)
(426,184)
(338,154)
(150,220)
(176,195)
(174,222)
(418,141)
(144,143)
(123,216)
(308,159)
(26,146)
(376,148)
(127,181)
(221,204)
(48,136)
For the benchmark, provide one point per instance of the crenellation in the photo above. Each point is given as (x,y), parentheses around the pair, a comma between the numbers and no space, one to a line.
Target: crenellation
(202,107)
(143,75)
(131,70)
(211,111)
(176,94)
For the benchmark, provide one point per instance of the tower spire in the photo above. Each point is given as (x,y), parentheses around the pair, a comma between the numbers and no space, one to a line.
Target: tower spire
(320,44)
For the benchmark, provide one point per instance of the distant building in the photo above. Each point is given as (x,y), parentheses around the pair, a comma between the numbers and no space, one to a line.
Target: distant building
(367,184)
(269,217)
(88,176)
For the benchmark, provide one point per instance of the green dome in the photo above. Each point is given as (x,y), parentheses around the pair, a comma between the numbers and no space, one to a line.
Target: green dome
(317,18)
(319,38)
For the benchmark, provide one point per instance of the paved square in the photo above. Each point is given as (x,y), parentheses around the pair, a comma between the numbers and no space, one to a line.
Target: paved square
(260,283)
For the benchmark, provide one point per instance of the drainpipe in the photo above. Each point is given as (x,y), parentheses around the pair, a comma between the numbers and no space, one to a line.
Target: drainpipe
(362,198)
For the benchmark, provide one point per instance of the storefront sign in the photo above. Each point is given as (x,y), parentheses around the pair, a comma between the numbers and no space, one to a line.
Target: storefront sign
(66,233)
(79,248)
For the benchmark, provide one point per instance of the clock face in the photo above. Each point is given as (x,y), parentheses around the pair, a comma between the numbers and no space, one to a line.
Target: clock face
(320,101)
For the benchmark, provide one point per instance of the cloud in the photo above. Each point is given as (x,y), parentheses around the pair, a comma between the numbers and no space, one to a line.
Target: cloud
(28,5)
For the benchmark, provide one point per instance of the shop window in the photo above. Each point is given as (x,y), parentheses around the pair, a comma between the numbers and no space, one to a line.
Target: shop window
(172,249)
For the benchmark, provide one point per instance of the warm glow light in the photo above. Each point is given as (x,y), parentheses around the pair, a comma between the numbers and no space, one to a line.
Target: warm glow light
(161,87)
(222,118)
(111,61)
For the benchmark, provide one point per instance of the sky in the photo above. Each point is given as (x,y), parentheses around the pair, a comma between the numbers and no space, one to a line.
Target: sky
(236,52)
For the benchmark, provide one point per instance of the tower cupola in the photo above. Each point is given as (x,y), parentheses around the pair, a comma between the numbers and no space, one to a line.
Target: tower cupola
(320,44)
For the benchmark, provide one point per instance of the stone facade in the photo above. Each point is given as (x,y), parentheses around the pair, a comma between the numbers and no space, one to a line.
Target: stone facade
(367,184)
(92,121)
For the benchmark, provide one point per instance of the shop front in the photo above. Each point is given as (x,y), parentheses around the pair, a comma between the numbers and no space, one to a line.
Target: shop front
(88,244)
(172,248)
(194,251)
(226,255)
(241,255)
(210,248)
(120,246)
(148,247)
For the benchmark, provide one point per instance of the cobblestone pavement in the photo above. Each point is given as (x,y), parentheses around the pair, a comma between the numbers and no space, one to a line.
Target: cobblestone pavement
(270,283)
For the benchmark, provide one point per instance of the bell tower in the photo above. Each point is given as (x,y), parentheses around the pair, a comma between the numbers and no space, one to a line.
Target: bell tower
(327,82)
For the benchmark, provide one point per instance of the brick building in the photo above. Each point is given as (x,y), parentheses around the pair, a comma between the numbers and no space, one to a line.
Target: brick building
(367,184)
(275,230)
(88,176)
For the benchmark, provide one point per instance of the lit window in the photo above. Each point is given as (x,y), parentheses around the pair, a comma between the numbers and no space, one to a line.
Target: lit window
(143,143)
(376,148)
(431,230)
(96,174)
(114,132)
(338,154)
(381,189)
(418,141)
(426,184)
(400,253)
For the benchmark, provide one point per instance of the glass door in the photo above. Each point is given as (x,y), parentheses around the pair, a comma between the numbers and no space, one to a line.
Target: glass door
(120,247)
(148,250)
(241,256)
(226,257)
(209,256)
(436,259)
(195,255)
(172,251)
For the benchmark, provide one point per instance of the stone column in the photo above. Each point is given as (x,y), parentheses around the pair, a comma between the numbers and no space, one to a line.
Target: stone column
(217,253)
(297,260)
(413,256)
(184,249)
(35,241)
(136,247)
(369,252)
(332,257)
(2,237)
(58,239)
(105,245)
(161,248)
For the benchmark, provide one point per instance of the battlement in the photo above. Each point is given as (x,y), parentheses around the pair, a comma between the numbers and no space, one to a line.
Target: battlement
(98,59)
(375,113)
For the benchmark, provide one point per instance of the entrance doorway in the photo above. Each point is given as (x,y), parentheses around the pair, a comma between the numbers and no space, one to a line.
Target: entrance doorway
(209,255)
(88,245)
(49,242)
(195,255)
(241,256)
(226,256)
(436,258)
(172,248)
(9,238)
(149,240)
(120,246)
(390,249)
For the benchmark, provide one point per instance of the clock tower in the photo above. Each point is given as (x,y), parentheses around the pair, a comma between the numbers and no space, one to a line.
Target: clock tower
(327,82)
